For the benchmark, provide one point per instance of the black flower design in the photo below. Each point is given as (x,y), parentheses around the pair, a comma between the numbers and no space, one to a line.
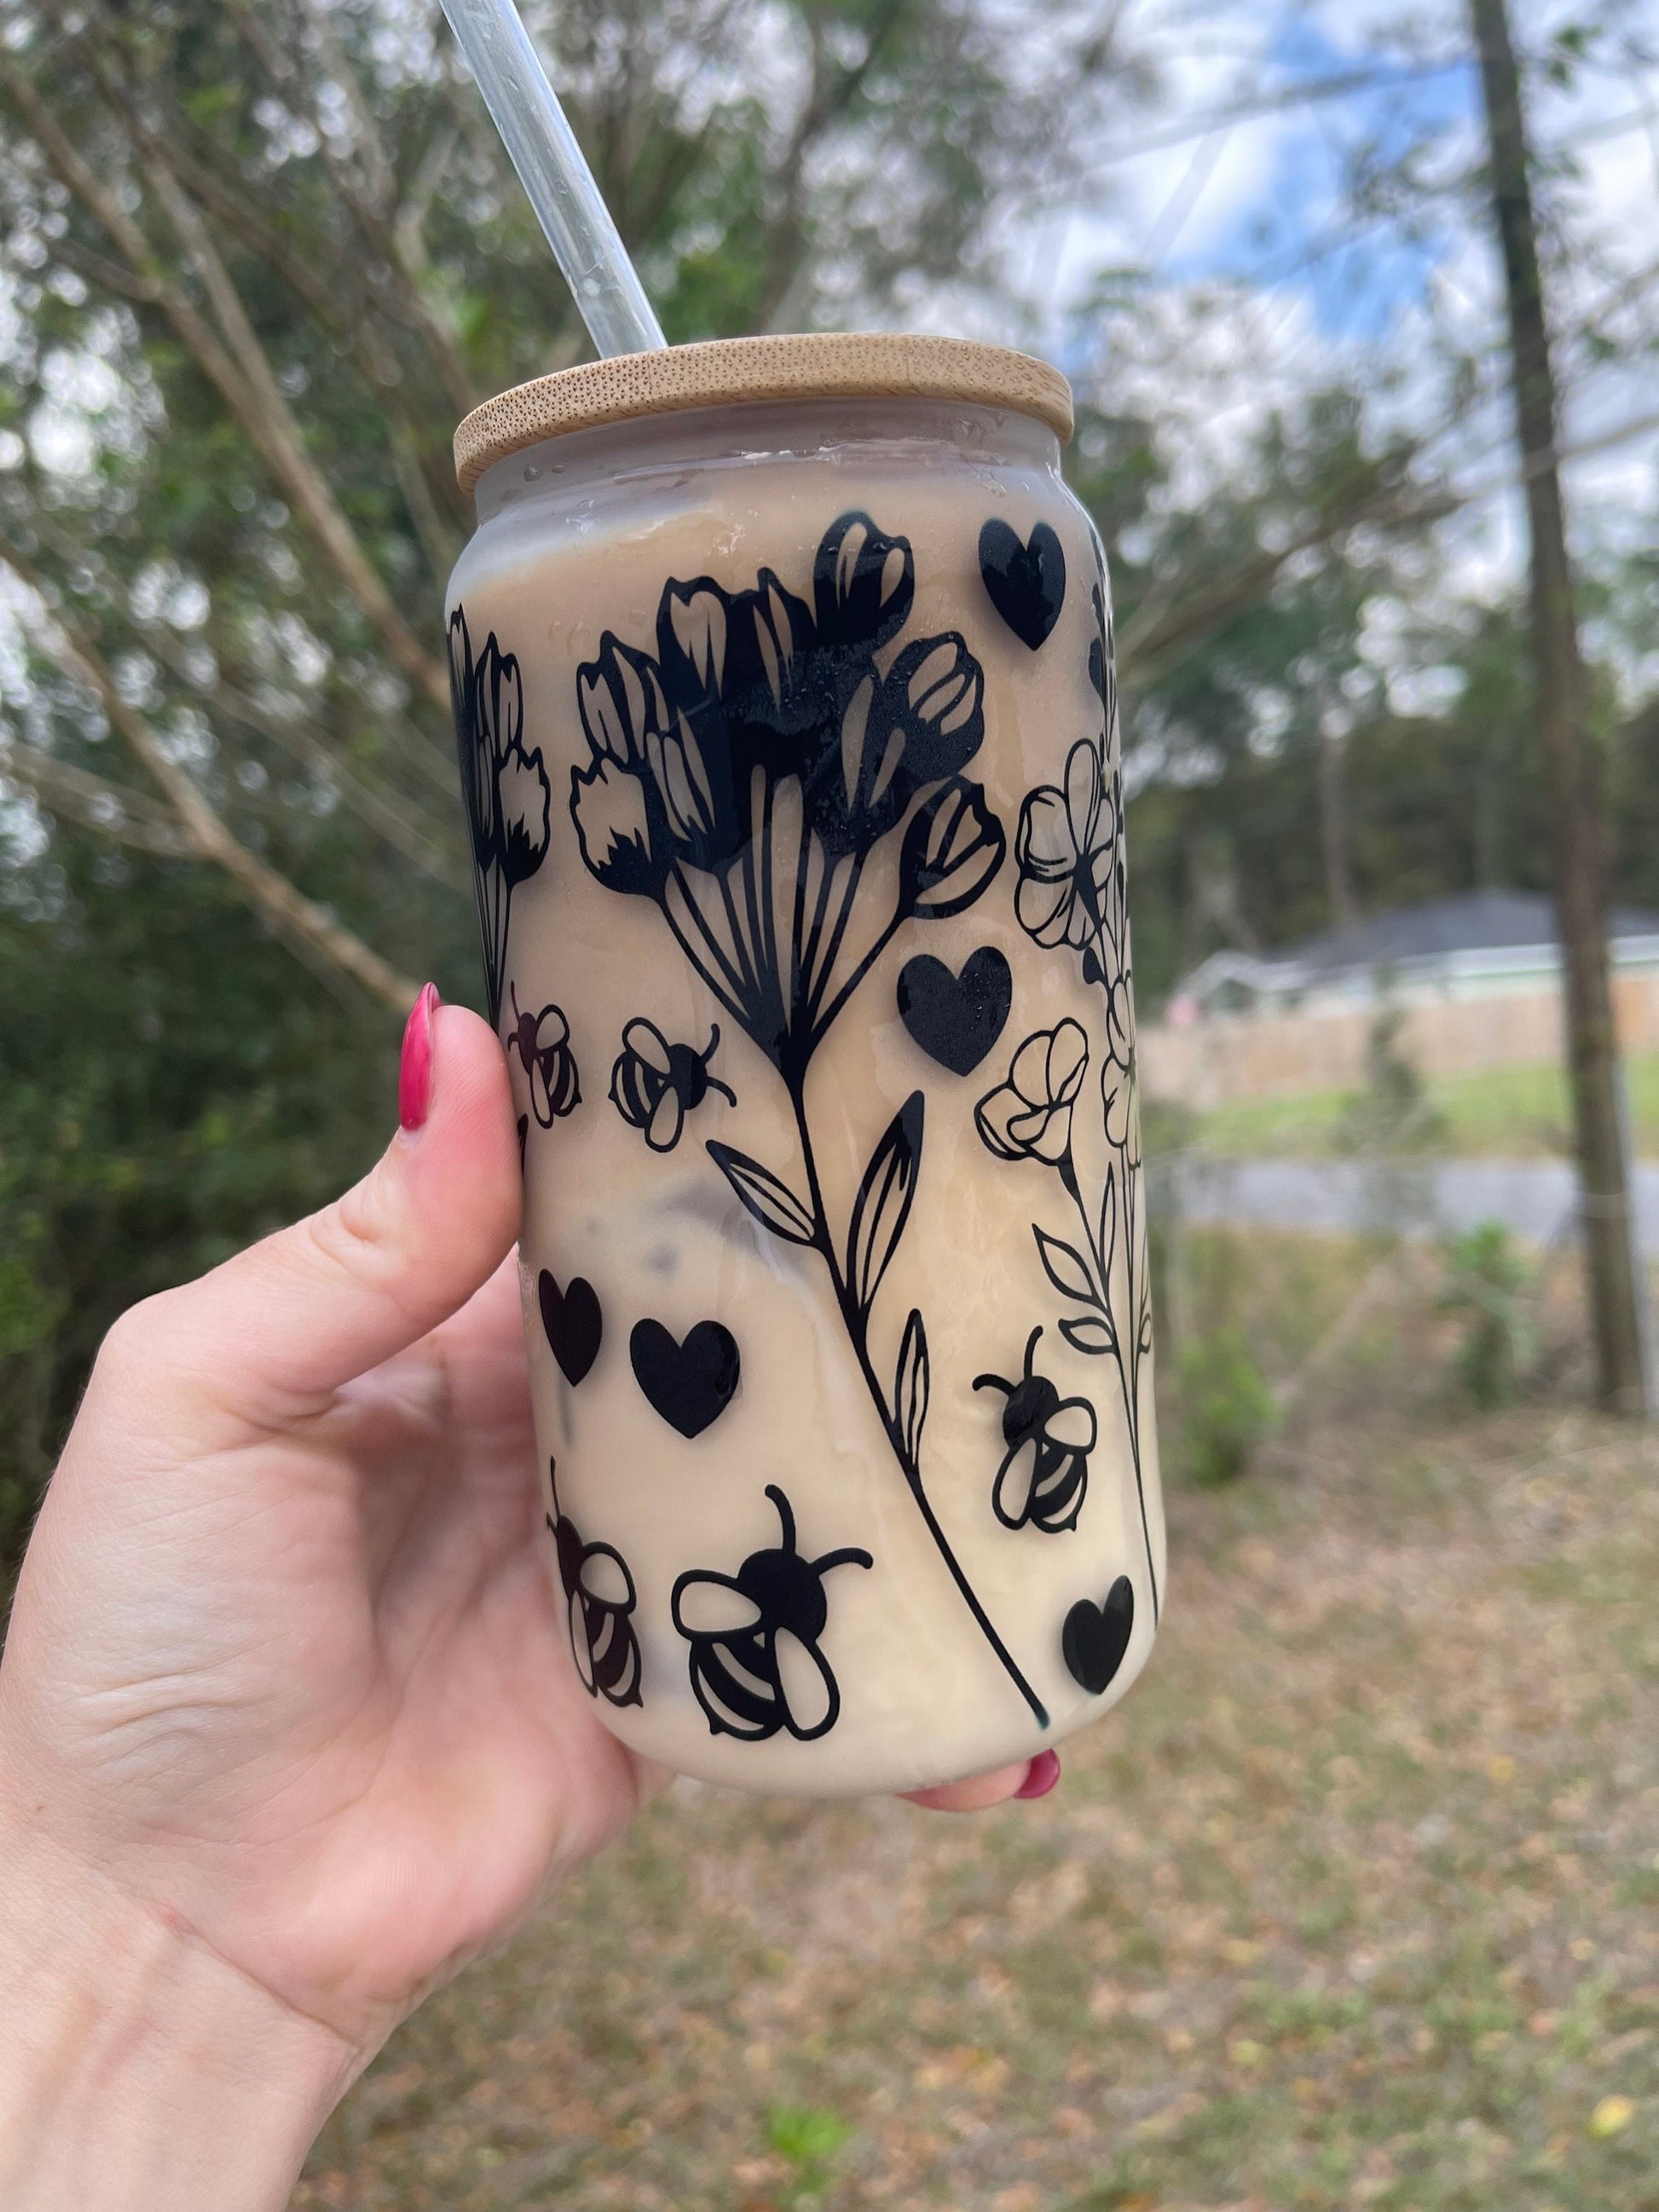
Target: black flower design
(1028,1115)
(506,789)
(541,1042)
(1067,849)
(1119,1093)
(1073,895)
(742,774)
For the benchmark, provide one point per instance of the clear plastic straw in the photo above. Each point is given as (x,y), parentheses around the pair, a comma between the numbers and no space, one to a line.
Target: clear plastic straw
(542,148)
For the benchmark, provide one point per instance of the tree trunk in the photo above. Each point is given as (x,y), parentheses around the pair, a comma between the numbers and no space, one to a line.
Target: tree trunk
(1333,829)
(1569,755)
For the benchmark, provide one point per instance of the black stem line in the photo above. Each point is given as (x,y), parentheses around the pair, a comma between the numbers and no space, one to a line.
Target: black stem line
(767,892)
(734,981)
(1128,1379)
(820,907)
(692,953)
(797,942)
(856,1322)
(1129,1375)
(740,946)
(500,897)
(821,982)
(822,1023)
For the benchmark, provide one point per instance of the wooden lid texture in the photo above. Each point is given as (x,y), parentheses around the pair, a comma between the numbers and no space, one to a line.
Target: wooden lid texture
(733,371)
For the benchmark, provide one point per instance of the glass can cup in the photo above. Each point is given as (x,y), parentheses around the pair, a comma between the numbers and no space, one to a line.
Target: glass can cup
(786,719)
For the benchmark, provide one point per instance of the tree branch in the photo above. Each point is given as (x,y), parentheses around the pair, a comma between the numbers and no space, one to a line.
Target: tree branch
(1141,642)
(353,310)
(382,810)
(376,216)
(282,437)
(126,818)
(205,831)
(244,382)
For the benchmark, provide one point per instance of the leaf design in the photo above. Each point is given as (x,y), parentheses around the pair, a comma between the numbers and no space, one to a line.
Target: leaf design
(911,1384)
(1065,1267)
(1108,1222)
(1090,1334)
(883,1205)
(771,1202)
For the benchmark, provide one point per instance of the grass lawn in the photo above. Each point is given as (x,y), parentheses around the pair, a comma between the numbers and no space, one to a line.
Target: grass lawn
(1511,1112)
(1353,1904)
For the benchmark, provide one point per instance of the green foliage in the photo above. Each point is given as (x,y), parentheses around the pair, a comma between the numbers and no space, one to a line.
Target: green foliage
(1488,1287)
(1393,1112)
(168,1095)
(808,2137)
(1226,1405)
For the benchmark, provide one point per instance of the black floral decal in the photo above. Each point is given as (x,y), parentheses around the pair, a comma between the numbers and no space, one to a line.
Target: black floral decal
(506,789)
(1026,583)
(755,1666)
(600,1600)
(689,1384)
(955,1019)
(743,774)
(655,1084)
(1044,1476)
(542,1043)
(1071,894)
(1028,1115)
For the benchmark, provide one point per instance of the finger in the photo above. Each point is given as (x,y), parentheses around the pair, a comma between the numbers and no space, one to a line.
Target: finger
(1030,1778)
(289,1320)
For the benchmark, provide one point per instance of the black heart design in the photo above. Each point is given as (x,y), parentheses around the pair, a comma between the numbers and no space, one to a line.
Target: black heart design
(1095,1637)
(573,1322)
(955,1019)
(1027,583)
(689,1384)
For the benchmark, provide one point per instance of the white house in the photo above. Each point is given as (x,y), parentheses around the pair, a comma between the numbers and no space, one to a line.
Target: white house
(1477,944)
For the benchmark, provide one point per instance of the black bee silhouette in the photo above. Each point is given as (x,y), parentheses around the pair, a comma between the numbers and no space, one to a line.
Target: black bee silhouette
(599,1593)
(755,1666)
(1046,1489)
(542,1043)
(655,1084)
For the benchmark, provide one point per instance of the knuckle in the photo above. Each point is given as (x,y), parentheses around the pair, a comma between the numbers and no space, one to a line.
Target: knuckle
(145,1350)
(361,1235)
(137,1339)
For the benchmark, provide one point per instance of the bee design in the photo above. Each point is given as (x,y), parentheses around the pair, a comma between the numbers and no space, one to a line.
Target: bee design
(601,1595)
(755,1666)
(1045,1470)
(655,1084)
(542,1043)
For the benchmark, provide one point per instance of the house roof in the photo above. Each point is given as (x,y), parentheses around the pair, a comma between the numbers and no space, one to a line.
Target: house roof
(1469,921)
(1471,929)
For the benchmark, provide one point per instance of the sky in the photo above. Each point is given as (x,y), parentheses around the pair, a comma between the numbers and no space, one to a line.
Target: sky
(1234,186)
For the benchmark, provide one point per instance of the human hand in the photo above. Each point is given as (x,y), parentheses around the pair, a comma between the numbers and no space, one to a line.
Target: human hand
(288,1727)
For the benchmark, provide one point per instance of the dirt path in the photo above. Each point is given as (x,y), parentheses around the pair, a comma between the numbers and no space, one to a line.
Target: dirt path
(1353,1904)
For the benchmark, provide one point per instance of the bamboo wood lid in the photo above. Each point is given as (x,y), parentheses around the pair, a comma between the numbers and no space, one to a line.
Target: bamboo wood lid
(727,372)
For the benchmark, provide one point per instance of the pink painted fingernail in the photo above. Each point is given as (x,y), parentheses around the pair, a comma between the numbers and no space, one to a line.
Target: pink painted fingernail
(1041,1775)
(415,1068)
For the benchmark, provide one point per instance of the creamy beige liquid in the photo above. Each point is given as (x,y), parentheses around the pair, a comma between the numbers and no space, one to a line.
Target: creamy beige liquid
(579,537)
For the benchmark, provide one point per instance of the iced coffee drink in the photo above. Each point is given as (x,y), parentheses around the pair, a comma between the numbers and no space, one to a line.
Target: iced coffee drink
(787,725)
